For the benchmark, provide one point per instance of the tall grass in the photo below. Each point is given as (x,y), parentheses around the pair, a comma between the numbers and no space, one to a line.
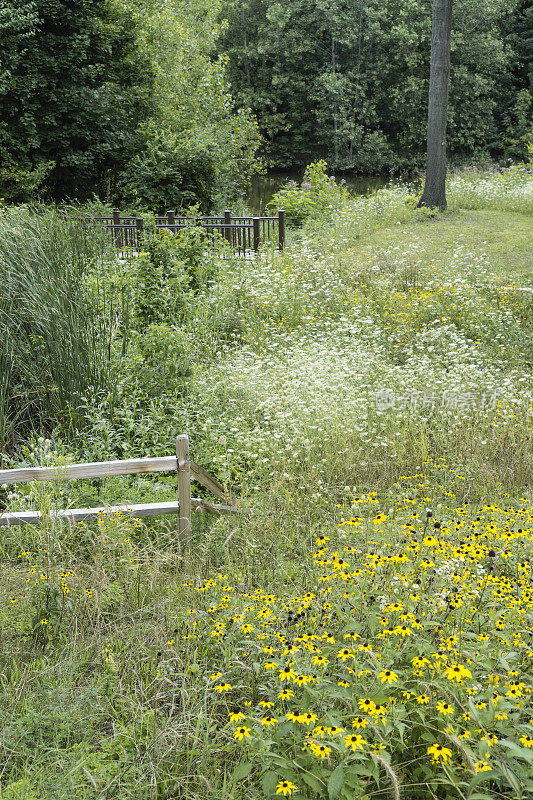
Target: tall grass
(507,190)
(54,329)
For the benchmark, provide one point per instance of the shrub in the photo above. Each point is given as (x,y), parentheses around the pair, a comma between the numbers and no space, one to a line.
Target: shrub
(317,193)
(169,270)
(168,172)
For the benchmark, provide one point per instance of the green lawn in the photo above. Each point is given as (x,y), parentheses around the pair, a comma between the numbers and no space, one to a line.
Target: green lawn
(506,238)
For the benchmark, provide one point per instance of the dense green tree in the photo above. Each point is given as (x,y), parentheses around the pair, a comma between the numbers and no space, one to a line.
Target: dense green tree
(193,109)
(130,103)
(349,80)
(74,86)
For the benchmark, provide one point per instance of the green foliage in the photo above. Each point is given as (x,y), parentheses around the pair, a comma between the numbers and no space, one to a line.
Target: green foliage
(56,331)
(125,102)
(349,82)
(74,87)
(317,193)
(168,173)
(169,270)
(354,511)
(20,790)
(192,99)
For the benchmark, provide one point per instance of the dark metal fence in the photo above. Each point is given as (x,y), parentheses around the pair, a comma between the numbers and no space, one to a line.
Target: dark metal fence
(243,234)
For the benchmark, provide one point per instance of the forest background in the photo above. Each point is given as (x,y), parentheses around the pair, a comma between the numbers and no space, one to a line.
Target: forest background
(165,105)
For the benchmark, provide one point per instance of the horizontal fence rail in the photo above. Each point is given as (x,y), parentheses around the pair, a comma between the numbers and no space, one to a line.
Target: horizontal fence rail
(74,515)
(186,469)
(243,234)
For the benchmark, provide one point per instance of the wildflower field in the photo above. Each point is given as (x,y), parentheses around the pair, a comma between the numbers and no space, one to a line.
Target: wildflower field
(365,629)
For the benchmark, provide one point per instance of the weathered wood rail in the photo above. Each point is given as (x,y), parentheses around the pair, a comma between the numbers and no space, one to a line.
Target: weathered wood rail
(186,469)
(243,234)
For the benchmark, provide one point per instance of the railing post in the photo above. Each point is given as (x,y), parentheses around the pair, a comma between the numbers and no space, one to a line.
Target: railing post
(171,216)
(116,228)
(227,224)
(184,489)
(256,234)
(139,225)
(281,229)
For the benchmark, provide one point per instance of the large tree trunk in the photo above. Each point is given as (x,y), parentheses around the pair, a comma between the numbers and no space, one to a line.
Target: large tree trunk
(435,186)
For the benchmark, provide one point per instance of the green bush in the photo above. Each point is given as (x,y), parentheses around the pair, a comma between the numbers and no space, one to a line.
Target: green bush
(168,172)
(170,269)
(317,193)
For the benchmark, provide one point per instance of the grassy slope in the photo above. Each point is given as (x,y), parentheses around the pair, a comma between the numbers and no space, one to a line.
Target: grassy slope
(505,238)
(93,716)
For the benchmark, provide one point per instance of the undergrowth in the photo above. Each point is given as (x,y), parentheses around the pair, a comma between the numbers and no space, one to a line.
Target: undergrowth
(365,629)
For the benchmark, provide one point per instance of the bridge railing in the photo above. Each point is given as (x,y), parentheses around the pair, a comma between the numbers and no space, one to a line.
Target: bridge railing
(243,234)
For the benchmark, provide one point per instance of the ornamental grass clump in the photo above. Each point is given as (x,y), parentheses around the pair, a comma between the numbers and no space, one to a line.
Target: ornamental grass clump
(55,331)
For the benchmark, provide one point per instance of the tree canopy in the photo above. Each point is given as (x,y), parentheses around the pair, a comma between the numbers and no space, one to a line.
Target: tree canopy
(349,80)
(124,101)
(164,104)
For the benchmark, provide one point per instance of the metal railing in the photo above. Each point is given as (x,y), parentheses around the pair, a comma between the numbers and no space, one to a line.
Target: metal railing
(243,234)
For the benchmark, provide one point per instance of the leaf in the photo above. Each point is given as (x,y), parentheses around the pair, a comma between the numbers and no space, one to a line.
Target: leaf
(480,796)
(479,778)
(242,770)
(312,781)
(269,782)
(519,752)
(335,782)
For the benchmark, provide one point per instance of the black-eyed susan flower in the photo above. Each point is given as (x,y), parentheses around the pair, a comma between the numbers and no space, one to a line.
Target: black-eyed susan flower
(306,718)
(387,676)
(285,694)
(319,750)
(439,753)
(444,708)
(287,673)
(457,672)
(286,788)
(366,705)
(354,740)
(242,733)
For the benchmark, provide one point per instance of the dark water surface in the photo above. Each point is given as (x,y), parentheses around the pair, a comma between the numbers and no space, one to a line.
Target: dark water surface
(265,186)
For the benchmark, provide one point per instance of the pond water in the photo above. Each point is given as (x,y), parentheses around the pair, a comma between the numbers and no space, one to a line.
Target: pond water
(263,187)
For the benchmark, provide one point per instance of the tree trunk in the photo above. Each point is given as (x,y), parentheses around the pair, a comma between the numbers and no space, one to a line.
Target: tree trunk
(434,194)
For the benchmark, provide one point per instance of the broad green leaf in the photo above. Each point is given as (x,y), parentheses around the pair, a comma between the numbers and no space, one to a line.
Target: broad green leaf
(312,781)
(269,782)
(336,782)
(242,770)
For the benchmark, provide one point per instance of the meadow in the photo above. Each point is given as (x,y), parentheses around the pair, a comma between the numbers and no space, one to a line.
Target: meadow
(365,630)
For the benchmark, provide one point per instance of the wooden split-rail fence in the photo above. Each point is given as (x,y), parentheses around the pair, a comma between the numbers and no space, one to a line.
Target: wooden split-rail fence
(243,234)
(183,507)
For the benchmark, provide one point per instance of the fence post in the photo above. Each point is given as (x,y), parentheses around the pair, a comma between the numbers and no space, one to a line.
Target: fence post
(281,229)
(116,228)
(184,489)
(256,234)
(139,225)
(171,216)
(227,228)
